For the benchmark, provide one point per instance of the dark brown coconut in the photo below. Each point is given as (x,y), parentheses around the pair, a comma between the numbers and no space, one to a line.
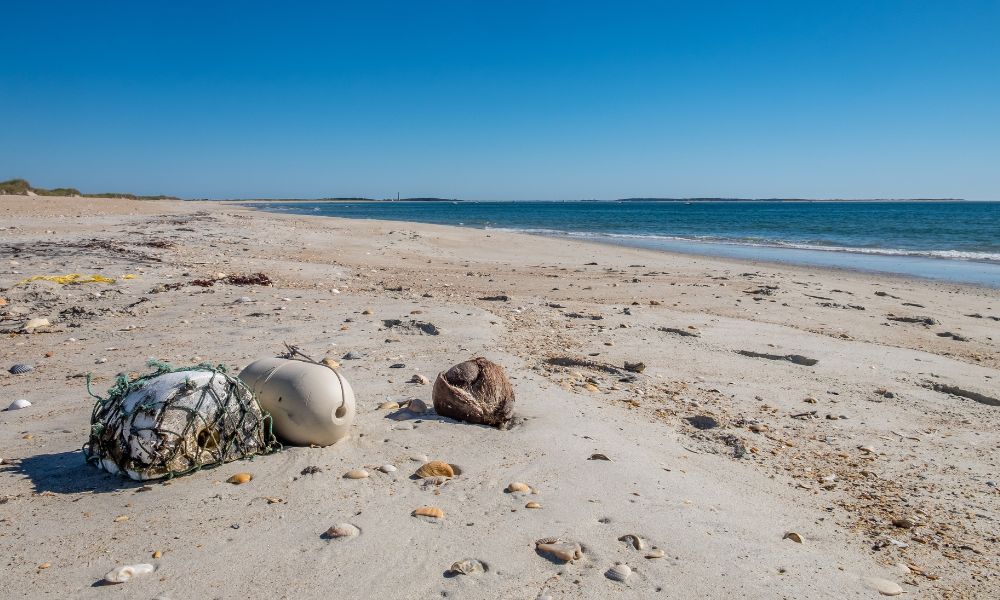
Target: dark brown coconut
(475,391)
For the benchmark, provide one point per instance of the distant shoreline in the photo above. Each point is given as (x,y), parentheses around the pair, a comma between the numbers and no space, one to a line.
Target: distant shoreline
(666,200)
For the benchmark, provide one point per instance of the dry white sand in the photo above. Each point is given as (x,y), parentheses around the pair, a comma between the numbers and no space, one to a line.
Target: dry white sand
(718,501)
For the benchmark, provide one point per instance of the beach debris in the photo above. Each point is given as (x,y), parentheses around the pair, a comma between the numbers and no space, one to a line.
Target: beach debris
(469,566)
(954,336)
(569,361)
(702,422)
(884,586)
(173,421)
(19,404)
(418,378)
(128,572)
(352,355)
(429,512)
(356,474)
(795,537)
(341,530)
(636,367)
(618,572)
(240,478)
(497,298)
(388,406)
(903,522)
(797,359)
(532,505)
(559,548)
(310,403)
(655,552)
(954,390)
(633,540)
(475,391)
(311,470)
(68,279)
(20,369)
(518,487)
(435,468)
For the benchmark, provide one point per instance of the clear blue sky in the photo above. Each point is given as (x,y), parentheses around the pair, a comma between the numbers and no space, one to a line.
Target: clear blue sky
(504,100)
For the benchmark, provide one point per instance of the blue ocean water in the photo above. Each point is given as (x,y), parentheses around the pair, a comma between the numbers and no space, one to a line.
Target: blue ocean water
(958,241)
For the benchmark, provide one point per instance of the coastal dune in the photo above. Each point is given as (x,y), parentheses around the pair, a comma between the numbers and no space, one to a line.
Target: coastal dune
(776,431)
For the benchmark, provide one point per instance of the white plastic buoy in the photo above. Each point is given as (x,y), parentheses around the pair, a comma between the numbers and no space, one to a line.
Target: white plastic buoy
(309,403)
(19,404)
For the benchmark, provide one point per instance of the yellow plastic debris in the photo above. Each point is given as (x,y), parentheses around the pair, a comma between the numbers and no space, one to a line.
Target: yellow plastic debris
(68,279)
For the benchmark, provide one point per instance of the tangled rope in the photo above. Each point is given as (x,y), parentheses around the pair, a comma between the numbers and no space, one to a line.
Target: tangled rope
(165,437)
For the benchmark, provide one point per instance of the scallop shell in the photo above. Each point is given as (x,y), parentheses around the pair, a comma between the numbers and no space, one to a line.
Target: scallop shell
(532,505)
(436,468)
(618,572)
(240,478)
(127,572)
(559,548)
(342,530)
(517,487)
(20,368)
(356,474)
(19,404)
(633,540)
(469,566)
(432,512)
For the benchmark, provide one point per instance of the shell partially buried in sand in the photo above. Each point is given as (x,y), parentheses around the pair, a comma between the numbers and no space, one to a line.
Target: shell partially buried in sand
(127,572)
(429,512)
(475,391)
(560,549)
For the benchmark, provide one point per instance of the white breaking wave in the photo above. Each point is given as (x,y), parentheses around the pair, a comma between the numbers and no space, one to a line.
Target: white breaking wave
(948,254)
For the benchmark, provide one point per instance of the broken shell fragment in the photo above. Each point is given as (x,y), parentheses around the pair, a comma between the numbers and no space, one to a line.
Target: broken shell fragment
(127,572)
(532,505)
(469,566)
(19,404)
(475,391)
(341,530)
(559,548)
(431,512)
(240,478)
(518,487)
(884,586)
(356,474)
(633,540)
(618,572)
(436,468)
(388,406)
(795,537)
(418,378)
(656,553)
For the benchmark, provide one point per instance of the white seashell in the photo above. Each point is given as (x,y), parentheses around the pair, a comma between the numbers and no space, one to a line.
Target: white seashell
(342,530)
(420,458)
(387,469)
(619,572)
(656,553)
(36,323)
(19,404)
(356,474)
(127,572)
(884,586)
(469,566)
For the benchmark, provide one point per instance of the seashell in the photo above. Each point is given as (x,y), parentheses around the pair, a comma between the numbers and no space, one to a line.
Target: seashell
(416,406)
(517,487)
(36,323)
(356,474)
(331,363)
(532,505)
(387,468)
(127,572)
(436,468)
(656,553)
(599,456)
(618,572)
(418,378)
(158,554)
(431,512)
(633,540)
(240,478)
(368,311)
(884,586)
(388,406)
(469,566)
(430,481)
(420,458)
(795,537)
(19,404)
(20,369)
(559,548)
(45,565)
(341,530)
(121,518)
(475,391)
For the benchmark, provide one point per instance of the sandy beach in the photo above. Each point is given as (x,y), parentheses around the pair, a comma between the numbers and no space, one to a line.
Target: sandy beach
(881,455)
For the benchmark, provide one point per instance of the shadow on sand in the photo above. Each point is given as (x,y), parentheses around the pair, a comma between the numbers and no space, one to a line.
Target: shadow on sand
(68,473)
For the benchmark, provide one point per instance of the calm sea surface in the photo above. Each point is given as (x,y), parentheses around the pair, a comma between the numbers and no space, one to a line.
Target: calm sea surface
(957,241)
